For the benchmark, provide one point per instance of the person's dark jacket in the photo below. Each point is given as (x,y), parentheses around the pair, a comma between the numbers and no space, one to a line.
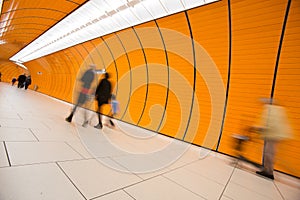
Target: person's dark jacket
(87,78)
(21,78)
(103,91)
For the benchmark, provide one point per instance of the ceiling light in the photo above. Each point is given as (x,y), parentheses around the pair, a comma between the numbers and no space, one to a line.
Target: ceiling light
(21,65)
(100,17)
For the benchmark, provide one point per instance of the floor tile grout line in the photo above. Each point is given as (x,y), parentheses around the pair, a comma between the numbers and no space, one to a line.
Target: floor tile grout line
(186,164)
(62,170)
(19,116)
(7,155)
(113,160)
(34,134)
(247,187)
(111,192)
(278,190)
(34,141)
(226,185)
(144,180)
(129,194)
(46,162)
(204,177)
(175,168)
(227,197)
(122,188)
(130,185)
(183,186)
(46,125)
(66,142)
(170,170)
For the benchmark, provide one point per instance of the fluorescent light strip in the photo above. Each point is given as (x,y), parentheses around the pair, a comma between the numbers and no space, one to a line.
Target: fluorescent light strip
(21,65)
(100,17)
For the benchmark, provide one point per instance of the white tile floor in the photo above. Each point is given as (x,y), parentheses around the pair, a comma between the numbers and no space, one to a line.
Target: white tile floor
(44,157)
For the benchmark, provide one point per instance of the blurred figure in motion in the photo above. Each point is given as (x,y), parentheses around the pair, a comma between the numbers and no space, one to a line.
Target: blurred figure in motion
(21,80)
(27,82)
(13,81)
(115,109)
(102,95)
(273,127)
(85,91)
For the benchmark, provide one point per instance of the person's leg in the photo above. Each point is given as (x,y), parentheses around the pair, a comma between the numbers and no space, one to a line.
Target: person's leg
(79,102)
(99,125)
(110,120)
(87,104)
(85,121)
(268,159)
(69,118)
(270,154)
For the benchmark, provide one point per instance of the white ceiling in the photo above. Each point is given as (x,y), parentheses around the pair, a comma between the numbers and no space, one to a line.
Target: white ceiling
(100,17)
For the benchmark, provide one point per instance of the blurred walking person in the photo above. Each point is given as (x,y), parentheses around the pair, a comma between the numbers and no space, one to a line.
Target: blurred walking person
(27,82)
(13,81)
(85,91)
(274,127)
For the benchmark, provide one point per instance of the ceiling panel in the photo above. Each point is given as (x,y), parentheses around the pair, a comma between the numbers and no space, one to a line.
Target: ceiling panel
(22,21)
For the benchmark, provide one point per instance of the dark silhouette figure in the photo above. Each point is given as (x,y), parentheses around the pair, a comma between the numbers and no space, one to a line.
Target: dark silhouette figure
(102,95)
(21,80)
(87,80)
(13,81)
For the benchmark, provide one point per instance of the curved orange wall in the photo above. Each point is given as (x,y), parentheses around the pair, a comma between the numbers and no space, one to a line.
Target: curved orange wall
(196,75)
(10,70)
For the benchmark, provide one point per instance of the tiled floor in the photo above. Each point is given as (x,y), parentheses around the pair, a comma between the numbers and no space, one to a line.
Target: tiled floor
(44,157)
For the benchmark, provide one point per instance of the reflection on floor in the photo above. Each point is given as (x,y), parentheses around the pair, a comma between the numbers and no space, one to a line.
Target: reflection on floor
(44,157)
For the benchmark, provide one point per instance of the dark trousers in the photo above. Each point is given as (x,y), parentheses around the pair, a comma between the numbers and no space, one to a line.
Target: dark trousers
(82,99)
(100,104)
(269,155)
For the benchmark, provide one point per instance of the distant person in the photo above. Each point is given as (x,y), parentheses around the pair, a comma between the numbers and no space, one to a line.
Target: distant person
(102,95)
(86,80)
(21,80)
(274,127)
(13,81)
(27,82)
